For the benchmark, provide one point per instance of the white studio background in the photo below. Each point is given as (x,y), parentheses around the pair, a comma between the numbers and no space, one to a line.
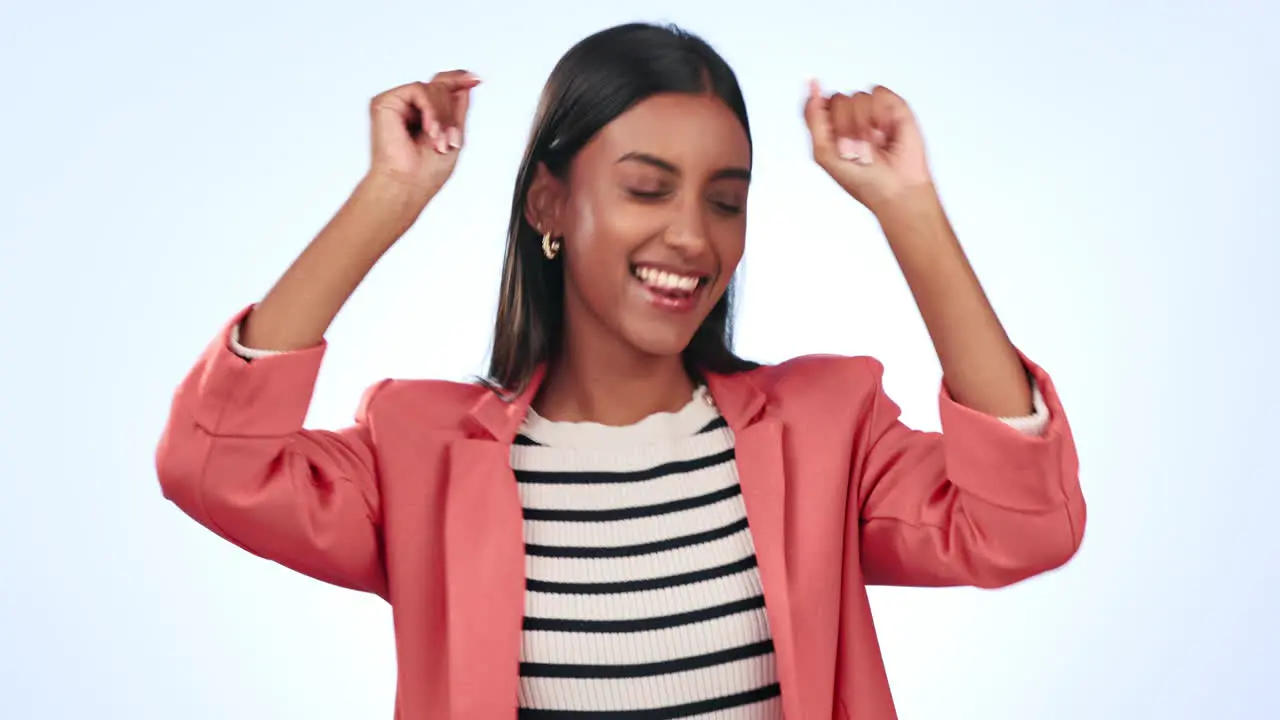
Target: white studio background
(1110,167)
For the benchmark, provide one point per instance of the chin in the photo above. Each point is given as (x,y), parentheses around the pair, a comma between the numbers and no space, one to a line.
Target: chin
(659,339)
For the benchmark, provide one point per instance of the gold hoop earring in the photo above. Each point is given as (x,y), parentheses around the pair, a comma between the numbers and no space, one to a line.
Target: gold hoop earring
(550,247)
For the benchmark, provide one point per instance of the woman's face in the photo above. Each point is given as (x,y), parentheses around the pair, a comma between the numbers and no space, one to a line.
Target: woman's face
(653,220)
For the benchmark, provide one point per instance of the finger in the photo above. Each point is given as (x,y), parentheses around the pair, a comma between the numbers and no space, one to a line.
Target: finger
(456,79)
(864,128)
(852,115)
(458,84)
(817,117)
(847,124)
(889,114)
(406,108)
(433,123)
(444,123)
(461,104)
(409,103)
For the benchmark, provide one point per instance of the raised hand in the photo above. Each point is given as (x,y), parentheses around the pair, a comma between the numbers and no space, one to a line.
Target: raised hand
(868,142)
(418,130)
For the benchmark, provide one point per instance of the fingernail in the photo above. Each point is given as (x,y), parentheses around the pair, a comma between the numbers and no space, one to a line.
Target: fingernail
(878,137)
(858,151)
(442,144)
(433,130)
(455,138)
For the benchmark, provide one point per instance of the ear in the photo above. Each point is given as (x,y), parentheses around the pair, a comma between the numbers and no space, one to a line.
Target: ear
(545,201)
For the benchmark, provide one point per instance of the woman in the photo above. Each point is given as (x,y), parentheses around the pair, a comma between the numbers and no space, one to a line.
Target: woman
(627,519)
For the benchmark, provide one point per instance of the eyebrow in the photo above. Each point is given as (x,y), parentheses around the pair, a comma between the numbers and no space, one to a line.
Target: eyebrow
(730,173)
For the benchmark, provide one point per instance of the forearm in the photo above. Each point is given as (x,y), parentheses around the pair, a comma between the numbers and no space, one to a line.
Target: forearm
(296,312)
(981,367)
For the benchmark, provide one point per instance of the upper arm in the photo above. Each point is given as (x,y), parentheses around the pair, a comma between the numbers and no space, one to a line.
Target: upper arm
(978,504)
(235,457)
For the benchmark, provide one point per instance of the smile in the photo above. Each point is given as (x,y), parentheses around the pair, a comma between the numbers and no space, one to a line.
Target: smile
(669,290)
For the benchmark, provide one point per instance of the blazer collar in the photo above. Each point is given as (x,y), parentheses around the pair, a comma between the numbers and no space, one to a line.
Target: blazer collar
(741,402)
(737,397)
(500,416)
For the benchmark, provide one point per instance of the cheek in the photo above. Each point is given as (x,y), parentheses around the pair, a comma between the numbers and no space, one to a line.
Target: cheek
(732,250)
(601,223)
(581,222)
(598,237)
(730,245)
(602,230)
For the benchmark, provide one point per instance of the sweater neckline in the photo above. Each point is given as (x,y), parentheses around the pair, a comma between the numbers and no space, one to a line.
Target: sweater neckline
(658,427)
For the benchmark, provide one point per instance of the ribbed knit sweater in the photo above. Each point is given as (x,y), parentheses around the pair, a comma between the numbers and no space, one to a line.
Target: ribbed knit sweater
(642,595)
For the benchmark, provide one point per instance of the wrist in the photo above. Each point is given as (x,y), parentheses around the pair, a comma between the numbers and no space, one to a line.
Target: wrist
(387,206)
(395,201)
(908,204)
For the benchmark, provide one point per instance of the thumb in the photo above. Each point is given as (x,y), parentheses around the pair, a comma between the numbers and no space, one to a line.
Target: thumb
(817,117)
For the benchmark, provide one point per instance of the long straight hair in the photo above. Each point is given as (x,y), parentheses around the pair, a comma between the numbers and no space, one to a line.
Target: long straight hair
(596,81)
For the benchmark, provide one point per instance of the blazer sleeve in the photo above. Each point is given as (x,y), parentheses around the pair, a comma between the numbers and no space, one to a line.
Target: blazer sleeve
(235,457)
(979,504)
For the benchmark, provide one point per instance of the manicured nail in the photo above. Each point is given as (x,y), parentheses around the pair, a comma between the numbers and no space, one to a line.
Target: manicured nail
(858,151)
(455,137)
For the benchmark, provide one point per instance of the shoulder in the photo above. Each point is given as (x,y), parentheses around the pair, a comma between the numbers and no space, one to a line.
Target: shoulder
(823,397)
(430,404)
(818,375)
(833,388)
(813,391)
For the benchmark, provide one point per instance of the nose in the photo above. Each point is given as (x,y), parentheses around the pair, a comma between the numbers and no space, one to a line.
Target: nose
(688,234)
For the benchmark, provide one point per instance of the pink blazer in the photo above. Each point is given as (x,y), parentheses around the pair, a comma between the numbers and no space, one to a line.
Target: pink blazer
(417,502)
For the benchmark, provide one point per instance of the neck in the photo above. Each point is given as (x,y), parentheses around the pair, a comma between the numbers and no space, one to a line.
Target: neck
(612,385)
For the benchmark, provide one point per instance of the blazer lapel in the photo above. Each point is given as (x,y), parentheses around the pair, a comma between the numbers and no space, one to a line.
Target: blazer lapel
(484,580)
(484,562)
(758,450)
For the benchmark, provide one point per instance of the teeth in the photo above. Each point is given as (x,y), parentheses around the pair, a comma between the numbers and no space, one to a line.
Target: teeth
(664,280)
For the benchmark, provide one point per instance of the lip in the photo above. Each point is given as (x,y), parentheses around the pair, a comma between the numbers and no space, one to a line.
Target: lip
(666,303)
(680,305)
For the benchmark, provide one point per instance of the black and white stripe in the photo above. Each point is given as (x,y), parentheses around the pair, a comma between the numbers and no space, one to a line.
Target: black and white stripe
(643,599)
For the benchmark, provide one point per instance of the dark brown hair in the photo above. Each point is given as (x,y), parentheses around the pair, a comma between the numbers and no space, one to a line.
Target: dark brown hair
(596,81)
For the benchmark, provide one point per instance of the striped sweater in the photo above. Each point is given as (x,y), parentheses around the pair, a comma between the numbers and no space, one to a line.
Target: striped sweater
(642,595)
